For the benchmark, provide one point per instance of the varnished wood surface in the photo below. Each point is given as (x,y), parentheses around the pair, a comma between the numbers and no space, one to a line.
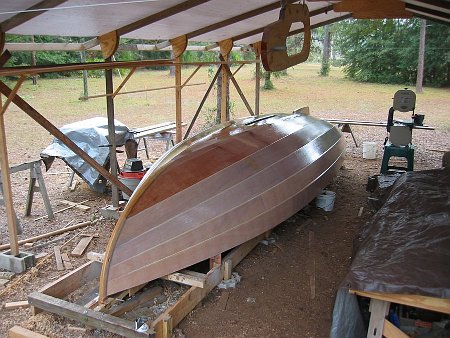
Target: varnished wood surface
(222,190)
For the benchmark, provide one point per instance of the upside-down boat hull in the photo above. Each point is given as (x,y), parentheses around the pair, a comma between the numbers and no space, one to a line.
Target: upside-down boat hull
(217,190)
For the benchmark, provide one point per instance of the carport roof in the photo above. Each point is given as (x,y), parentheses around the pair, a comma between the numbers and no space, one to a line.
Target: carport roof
(201,20)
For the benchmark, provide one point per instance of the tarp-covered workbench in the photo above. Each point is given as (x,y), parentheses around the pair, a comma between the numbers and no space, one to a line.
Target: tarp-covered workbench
(402,255)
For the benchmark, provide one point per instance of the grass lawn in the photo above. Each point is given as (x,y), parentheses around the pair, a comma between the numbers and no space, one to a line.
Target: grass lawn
(333,96)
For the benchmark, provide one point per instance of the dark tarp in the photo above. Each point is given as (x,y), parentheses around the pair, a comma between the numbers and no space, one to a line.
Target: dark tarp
(405,247)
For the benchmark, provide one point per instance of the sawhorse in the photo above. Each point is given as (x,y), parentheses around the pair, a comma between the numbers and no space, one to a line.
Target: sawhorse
(35,176)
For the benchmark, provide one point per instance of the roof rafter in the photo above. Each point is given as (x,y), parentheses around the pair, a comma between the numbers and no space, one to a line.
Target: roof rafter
(21,18)
(261,29)
(425,11)
(184,6)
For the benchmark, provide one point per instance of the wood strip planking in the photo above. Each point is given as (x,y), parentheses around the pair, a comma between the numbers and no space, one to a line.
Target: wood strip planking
(210,208)
(214,244)
(58,258)
(270,181)
(222,242)
(81,246)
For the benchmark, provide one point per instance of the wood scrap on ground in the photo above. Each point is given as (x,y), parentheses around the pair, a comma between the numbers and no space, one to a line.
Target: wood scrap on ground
(58,258)
(76,205)
(81,246)
(17,305)
(21,332)
(63,209)
(49,234)
(66,260)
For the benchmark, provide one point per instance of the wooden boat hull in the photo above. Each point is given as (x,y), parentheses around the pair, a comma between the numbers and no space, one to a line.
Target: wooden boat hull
(217,190)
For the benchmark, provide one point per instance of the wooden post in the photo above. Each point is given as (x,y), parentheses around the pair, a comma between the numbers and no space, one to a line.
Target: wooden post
(111,132)
(178,119)
(7,191)
(33,62)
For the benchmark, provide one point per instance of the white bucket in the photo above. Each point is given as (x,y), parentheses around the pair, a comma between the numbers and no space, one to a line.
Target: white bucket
(325,200)
(370,150)
(131,183)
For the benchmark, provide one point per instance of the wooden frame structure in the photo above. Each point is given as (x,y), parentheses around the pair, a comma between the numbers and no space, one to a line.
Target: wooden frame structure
(50,297)
(379,308)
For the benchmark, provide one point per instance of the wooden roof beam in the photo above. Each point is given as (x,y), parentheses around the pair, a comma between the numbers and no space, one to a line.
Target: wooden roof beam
(375,9)
(227,22)
(25,16)
(428,13)
(184,6)
(260,30)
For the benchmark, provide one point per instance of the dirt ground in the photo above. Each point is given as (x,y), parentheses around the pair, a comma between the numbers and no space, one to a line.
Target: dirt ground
(287,288)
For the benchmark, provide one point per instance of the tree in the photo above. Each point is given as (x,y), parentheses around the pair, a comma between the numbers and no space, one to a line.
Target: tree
(420,65)
(385,51)
(325,68)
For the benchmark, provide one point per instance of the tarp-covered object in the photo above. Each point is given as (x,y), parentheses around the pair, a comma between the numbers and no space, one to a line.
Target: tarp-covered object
(403,249)
(90,135)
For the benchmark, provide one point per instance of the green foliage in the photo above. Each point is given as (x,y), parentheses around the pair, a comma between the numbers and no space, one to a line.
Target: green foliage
(386,51)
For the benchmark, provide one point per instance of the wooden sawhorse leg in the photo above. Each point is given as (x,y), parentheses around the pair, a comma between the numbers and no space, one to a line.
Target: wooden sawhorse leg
(345,128)
(36,175)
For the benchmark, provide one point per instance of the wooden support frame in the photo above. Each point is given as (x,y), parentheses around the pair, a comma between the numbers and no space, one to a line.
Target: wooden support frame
(257,48)
(238,88)
(379,307)
(175,314)
(34,114)
(202,102)
(49,298)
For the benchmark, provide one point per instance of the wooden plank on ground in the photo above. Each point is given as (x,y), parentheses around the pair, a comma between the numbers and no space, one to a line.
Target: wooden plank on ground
(185,279)
(66,260)
(86,316)
(76,205)
(59,262)
(21,332)
(17,305)
(81,246)
(135,301)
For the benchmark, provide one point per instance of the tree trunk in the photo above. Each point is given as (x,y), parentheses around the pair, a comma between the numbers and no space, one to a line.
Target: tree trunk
(325,69)
(268,85)
(33,62)
(172,68)
(421,61)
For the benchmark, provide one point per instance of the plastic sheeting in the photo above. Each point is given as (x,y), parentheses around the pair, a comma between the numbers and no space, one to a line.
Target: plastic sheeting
(90,135)
(404,248)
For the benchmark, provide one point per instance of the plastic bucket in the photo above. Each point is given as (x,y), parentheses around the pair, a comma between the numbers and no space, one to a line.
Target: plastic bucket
(325,200)
(370,150)
(131,180)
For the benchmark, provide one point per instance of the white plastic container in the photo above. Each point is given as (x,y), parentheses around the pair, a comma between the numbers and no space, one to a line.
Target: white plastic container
(325,200)
(370,150)
(131,183)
